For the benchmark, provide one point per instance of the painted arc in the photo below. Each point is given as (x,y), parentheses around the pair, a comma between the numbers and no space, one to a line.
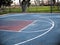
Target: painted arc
(52,23)
(45,20)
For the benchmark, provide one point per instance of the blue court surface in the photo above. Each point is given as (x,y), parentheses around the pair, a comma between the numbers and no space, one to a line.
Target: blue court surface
(30,29)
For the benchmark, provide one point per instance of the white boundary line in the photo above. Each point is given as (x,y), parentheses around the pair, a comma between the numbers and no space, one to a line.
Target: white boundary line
(38,35)
(34,31)
(28,25)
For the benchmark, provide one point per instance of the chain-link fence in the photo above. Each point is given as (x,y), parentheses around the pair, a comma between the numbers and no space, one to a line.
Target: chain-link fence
(36,6)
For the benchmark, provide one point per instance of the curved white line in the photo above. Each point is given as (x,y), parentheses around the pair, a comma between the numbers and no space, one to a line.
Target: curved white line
(38,35)
(28,26)
(37,30)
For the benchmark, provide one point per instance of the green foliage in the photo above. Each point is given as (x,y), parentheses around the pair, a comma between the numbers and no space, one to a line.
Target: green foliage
(32,9)
(5,2)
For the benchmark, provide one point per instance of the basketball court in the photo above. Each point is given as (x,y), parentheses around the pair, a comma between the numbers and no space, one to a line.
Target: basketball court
(30,29)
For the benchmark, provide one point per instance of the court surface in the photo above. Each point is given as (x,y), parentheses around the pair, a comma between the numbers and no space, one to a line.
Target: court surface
(30,29)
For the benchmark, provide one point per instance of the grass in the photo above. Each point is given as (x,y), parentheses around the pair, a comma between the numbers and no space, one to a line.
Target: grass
(39,9)
(34,9)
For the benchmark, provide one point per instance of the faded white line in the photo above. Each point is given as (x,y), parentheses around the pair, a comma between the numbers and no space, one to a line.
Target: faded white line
(38,35)
(28,25)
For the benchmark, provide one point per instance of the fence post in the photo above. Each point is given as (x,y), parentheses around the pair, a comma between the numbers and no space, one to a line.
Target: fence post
(51,7)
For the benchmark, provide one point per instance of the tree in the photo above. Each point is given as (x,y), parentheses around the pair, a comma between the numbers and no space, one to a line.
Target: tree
(42,2)
(37,2)
(0,3)
(58,4)
(24,4)
(54,1)
(5,3)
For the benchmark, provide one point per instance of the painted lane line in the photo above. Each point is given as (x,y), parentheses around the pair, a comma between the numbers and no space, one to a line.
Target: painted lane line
(38,30)
(35,31)
(28,25)
(38,35)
